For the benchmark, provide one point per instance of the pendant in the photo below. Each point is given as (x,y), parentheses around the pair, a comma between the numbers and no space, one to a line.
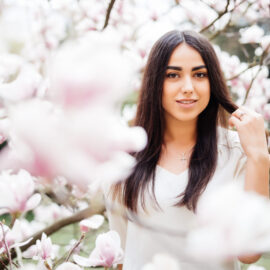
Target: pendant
(183,158)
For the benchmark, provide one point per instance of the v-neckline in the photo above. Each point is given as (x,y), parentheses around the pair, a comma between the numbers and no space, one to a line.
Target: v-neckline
(171,173)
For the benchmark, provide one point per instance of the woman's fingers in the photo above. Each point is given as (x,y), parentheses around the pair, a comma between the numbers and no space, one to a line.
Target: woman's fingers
(234,121)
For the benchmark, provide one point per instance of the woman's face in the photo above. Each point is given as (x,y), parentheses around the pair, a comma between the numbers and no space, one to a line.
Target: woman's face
(186,87)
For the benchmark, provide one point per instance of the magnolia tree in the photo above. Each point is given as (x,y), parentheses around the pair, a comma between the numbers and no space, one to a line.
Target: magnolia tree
(67,67)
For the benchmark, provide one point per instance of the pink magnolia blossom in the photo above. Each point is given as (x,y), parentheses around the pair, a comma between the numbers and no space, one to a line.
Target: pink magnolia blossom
(17,192)
(68,266)
(43,249)
(49,213)
(102,75)
(75,144)
(93,222)
(161,262)
(10,238)
(108,251)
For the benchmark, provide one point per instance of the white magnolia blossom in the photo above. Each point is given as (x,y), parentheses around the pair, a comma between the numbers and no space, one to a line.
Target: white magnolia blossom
(255,267)
(107,253)
(68,266)
(17,192)
(94,222)
(43,250)
(161,262)
(11,238)
(50,213)
(228,224)
(252,34)
(28,267)
(63,144)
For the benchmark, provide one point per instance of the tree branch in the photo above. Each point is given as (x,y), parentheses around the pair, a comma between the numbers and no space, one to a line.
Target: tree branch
(221,14)
(250,85)
(108,13)
(92,210)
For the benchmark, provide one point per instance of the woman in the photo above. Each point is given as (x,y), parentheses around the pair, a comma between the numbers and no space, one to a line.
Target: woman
(185,108)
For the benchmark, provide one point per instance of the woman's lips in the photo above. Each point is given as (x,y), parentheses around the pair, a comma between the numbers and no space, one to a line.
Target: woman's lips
(187,103)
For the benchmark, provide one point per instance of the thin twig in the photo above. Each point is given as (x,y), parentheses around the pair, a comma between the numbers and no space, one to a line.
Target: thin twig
(93,209)
(75,246)
(47,265)
(6,246)
(221,30)
(220,14)
(250,85)
(264,54)
(251,65)
(108,13)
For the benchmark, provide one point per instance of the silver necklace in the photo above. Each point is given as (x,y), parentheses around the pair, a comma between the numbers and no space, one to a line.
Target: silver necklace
(183,157)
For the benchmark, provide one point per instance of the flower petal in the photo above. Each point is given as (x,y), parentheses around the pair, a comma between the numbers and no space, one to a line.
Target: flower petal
(33,202)
(85,262)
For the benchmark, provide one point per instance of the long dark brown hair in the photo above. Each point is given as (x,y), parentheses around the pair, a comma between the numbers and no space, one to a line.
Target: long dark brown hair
(150,116)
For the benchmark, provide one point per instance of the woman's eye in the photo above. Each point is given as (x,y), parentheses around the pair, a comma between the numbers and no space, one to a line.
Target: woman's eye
(172,75)
(201,74)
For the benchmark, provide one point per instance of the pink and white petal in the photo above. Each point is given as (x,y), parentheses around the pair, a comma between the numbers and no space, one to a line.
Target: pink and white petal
(31,252)
(82,261)
(93,222)
(68,266)
(22,243)
(33,202)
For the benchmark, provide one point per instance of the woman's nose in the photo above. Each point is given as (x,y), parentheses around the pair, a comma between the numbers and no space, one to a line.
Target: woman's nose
(187,86)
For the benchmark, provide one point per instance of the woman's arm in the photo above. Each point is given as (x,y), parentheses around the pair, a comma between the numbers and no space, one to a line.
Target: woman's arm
(250,127)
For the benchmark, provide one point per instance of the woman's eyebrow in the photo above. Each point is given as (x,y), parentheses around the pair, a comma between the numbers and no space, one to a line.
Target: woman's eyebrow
(180,68)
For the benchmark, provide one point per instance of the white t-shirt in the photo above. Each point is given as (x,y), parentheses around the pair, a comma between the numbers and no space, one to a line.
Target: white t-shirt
(141,243)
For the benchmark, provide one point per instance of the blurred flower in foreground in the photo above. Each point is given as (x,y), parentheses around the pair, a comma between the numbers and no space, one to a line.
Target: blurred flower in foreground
(78,132)
(101,76)
(68,266)
(93,222)
(228,225)
(255,267)
(107,253)
(28,267)
(17,192)
(162,262)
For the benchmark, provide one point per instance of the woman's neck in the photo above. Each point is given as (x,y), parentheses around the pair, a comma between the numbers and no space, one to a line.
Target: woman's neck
(180,134)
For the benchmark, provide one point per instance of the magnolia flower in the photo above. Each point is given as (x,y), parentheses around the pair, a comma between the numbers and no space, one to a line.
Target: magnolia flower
(161,262)
(102,75)
(50,213)
(17,192)
(28,267)
(251,34)
(228,224)
(24,86)
(43,249)
(107,253)
(78,145)
(68,266)
(255,267)
(93,222)
(10,238)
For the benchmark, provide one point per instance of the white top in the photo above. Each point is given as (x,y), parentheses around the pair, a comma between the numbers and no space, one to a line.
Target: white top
(141,244)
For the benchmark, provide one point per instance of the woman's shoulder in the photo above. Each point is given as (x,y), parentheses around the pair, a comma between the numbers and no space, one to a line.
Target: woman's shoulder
(229,140)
